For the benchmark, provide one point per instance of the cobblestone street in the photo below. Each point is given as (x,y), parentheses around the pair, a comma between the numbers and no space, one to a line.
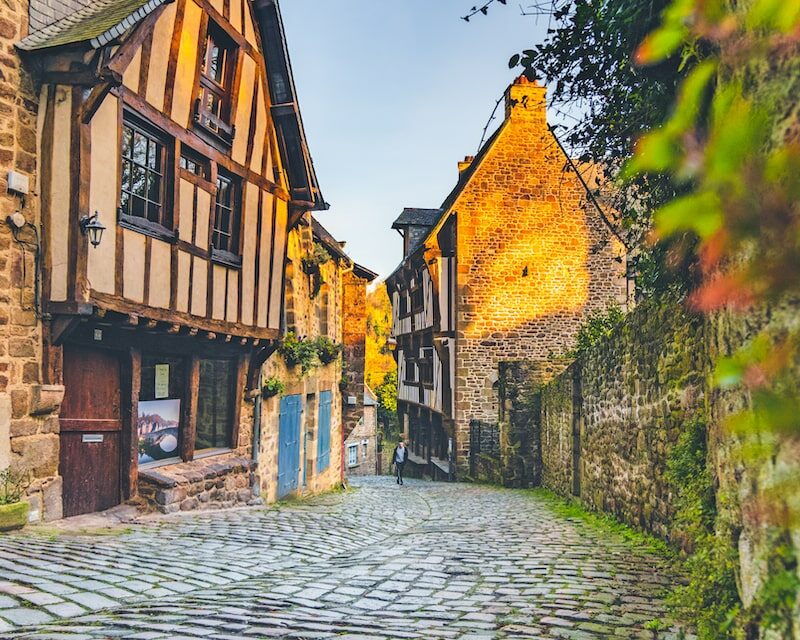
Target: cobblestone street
(419,561)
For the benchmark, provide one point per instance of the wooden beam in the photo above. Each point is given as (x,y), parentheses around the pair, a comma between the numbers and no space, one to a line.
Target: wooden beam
(130,381)
(190,407)
(62,326)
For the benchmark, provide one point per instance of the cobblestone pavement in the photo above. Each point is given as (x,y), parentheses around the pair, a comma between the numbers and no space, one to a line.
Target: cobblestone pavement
(420,561)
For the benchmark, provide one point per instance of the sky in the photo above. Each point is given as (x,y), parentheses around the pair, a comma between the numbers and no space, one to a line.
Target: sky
(393,93)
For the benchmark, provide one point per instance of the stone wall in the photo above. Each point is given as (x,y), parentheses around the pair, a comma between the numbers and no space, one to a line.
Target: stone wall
(354,341)
(619,410)
(365,437)
(534,259)
(28,427)
(307,316)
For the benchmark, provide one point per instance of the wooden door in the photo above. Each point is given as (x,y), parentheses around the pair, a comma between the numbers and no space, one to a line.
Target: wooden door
(91,427)
(289,445)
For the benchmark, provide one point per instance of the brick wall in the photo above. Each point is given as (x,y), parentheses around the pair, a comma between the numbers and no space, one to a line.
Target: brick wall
(534,259)
(28,428)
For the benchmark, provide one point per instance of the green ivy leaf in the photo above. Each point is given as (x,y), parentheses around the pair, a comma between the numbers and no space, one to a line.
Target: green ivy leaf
(698,212)
(728,373)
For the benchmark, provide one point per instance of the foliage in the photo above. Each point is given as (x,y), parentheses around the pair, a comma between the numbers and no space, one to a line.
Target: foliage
(12,486)
(379,359)
(299,352)
(316,258)
(272,387)
(327,349)
(598,326)
(774,605)
(386,393)
(710,597)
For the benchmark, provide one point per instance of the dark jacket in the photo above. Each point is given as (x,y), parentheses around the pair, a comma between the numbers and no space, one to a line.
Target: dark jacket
(394,455)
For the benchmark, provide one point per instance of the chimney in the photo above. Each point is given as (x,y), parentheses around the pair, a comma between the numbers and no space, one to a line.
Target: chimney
(526,100)
(465,164)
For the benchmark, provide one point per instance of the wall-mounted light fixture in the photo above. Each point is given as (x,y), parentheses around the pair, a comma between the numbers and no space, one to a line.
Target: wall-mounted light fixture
(92,227)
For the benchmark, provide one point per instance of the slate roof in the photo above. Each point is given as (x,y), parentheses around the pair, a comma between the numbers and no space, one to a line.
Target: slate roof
(100,23)
(417,217)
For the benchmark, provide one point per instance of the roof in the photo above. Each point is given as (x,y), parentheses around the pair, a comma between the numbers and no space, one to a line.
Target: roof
(370,399)
(444,210)
(335,247)
(99,23)
(417,217)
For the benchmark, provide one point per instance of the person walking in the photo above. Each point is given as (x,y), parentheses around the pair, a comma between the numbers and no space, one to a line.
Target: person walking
(399,458)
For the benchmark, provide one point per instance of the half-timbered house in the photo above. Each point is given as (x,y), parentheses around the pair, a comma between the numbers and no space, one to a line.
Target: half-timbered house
(506,269)
(172,164)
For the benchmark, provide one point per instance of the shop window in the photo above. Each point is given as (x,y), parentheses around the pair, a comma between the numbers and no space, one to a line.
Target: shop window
(213,110)
(160,403)
(352,455)
(227,220)
(143,185)
(215,399)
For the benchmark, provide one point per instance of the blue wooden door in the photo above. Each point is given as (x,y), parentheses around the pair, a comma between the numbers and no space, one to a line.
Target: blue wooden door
(289,445)
(324,431)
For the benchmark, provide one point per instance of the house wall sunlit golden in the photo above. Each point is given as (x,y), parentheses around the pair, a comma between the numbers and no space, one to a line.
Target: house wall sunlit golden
(507,269)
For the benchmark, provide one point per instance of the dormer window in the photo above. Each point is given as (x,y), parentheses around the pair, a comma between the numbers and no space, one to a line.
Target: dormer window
(213,111)
(227,221)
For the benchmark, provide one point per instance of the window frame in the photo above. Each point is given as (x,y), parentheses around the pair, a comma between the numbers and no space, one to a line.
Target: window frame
(198,160)
(218,127)
(234,230)
(164,229)
(231,391)
(352,448)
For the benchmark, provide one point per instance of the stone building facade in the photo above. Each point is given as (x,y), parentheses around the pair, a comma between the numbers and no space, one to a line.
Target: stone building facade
(28,420)
(361,446)
(509,268)
(163,305)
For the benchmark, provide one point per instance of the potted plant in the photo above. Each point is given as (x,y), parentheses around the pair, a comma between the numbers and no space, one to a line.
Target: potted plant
(13,509)
(272,387)
(327,349)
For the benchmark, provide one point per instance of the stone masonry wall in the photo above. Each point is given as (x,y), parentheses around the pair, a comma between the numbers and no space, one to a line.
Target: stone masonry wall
(304,316)
(354,340)
(534,259)
(636,392)
(29,440)
(365,430)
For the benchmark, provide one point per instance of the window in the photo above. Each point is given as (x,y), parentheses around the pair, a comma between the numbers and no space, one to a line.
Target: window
(227,220)
(352,455)
(195,164)
(417,299)
(160,408)
(411,370)
(216,77)
(144,176)
(425,365)
(215,397)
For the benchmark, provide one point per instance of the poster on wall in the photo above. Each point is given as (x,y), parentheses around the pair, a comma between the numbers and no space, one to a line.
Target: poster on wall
(158,430)
(162,381)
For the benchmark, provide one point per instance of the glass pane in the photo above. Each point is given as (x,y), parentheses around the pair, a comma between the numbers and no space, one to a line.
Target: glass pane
(154,187)
(160,399)
(153,212)
(139,148)
(138,206)
(138,182)
(214,404)
(126,174)
(127,141)
(124,202)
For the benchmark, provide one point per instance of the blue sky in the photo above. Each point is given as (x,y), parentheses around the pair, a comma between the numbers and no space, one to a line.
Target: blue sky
(393,93)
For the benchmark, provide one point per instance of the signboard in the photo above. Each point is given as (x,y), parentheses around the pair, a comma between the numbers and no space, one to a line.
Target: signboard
(162,381)
(158,430)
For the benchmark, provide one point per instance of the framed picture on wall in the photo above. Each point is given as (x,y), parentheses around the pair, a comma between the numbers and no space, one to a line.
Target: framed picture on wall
(157,427)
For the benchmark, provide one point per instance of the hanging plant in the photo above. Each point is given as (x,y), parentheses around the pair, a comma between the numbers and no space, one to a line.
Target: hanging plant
(299,352)
(327,349)
(311,266)
(272,387)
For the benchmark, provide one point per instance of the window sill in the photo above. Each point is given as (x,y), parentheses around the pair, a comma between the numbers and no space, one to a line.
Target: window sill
(152,229)
(159,463)
(226,258)
(210,453)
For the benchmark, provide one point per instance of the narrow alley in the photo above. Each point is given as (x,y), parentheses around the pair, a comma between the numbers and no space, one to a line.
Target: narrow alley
(428,560)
